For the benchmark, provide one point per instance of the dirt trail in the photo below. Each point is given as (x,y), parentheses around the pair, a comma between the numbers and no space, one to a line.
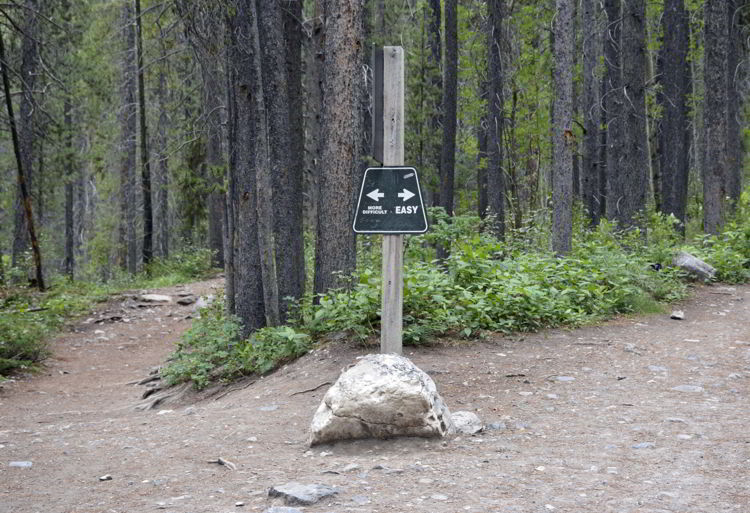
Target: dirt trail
(639,415)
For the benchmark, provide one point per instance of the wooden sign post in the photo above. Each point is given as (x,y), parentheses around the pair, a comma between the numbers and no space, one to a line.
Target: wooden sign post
(388,137)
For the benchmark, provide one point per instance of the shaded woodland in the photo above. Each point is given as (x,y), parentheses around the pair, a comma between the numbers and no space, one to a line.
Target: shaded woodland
(138,129)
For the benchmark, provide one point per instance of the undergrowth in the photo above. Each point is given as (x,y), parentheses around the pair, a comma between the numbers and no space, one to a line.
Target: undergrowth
(485,285)
(28,318)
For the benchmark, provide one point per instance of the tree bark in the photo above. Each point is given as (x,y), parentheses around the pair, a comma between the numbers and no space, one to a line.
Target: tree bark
(22,185)
(591,169)
(495,121)
(450,89)
(716,15)
(563,134)
(633,176)
(313,80)
(162,185)
(215,167)
(128,119)
(249,302)
(69,265)
(26,123)
(283,163)
(436,81)
(615,110)
(148,214)
(675,126)
(735,74)
(335,251)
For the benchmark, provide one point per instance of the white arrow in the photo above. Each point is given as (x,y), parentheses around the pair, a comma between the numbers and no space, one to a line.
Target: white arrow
(376,195)
(407,194)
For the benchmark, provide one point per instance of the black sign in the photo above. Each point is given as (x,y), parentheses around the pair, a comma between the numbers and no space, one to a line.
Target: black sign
(390,201)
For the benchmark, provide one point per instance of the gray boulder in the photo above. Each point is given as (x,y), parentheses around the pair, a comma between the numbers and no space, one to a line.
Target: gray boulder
(382,396)
(694,266)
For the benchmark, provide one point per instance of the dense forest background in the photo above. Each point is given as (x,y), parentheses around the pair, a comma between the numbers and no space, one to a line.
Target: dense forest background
(144,129)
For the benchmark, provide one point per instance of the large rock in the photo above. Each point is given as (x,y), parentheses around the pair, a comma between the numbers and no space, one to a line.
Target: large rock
(466,422)
(694,266)
(382,396)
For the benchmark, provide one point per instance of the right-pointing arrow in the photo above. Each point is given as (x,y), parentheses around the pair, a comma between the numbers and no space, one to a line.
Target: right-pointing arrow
(406,195)
(376,194)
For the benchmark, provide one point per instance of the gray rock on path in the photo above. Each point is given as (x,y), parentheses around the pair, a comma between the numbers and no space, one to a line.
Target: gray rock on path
(155,298)
(688,388)
(694,266)
(382,396)
(296,494)
(466,423)
(282,509)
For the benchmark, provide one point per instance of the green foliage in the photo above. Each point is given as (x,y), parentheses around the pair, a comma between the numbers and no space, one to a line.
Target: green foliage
(211,349)
(186,265)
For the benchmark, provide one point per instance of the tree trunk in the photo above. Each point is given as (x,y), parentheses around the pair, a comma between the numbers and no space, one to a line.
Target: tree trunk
(22,185)
(26,123)
(128,120)
(591,113)
(450,88)
(215,167)
(615,110)
(735,74)
(675,126)
(482,199)
(284,170)
(576,106)
(715,114)
(436,119)
(69,266)
(633,175)
(314,63)
(231,199)
(335,251)
(249,301)
(563,134)
(148,214)
(495,172)
(162,186)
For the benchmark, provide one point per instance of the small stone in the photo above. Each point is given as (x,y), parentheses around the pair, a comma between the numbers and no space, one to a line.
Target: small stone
(565,378)
(187,300)
(678,315)
(683,436)
(360,500)
(496,426)
(351,467)
(155,298)
(296,494)
(106,477)
(688,388)
(425,480)
(676,420)
(525,394)
(282,509)
(21,464)
(657,368)
(644,445)
(272,407)
(466,423)
(439,497)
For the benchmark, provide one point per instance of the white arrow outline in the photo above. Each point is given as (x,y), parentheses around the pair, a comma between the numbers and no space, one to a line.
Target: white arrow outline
(375,195)
(406,195)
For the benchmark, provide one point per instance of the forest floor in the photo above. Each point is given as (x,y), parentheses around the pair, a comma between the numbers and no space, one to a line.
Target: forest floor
(642,414)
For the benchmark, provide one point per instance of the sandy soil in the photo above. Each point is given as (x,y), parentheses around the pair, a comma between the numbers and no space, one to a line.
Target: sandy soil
(639,415)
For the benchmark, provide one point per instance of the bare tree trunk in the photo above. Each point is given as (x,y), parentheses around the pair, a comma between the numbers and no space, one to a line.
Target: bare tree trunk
(615,110)
(563,135)
(249,302)
(436,120)
(335,251)
(675,130)
(314,63)
(633,177)
(215,168)
(148,213)
(715,114)
(162,185)
(735,73)
(128,120)
(69,185)
(282,163)
(21,175)
(27,123)
(231,200)
(495,172)
(591,169)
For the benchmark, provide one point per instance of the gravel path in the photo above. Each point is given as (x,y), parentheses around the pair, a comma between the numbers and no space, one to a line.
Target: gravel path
(639,415)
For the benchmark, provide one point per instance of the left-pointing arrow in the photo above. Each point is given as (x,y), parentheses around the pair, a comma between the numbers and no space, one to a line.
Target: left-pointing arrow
(376,195)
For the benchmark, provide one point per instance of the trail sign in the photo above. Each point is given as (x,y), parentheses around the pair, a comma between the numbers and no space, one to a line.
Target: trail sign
(390,202)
